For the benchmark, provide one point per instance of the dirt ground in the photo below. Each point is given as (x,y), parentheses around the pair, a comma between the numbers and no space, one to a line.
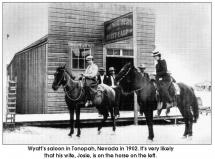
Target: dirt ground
(164,134)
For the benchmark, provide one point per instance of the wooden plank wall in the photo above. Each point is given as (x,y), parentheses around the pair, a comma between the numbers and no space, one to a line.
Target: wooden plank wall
(75,22)
(29,67)
(145,30)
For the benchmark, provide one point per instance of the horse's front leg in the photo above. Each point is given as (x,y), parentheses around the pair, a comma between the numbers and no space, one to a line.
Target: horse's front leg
(113,119)
(149,121)
(71,112)
(102,122)
(78,120)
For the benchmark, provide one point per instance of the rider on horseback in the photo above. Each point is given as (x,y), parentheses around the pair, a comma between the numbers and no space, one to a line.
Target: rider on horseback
(164,81)
(90,79)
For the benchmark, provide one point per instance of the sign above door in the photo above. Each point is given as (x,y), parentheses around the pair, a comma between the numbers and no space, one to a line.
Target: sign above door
(119,28)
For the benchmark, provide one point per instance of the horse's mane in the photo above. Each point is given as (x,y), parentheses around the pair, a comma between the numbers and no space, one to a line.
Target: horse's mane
(123,71)
(66,70)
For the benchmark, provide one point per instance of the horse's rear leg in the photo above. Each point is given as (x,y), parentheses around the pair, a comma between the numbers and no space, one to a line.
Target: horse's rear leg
(113,120)
(102,122)
(78,120)
(190,124)
(71,112)
(186,128)
(149,121)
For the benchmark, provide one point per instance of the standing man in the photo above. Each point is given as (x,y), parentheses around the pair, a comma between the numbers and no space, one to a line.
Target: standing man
(112,83)
(142,68)
(111,78)
(163,80)
(102,77)
(90,79)
(145,75)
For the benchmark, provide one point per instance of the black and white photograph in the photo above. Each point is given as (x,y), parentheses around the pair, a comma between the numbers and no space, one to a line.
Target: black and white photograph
(98,73)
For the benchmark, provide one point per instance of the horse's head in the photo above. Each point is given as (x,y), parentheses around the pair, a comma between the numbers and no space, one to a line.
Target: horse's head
(59,77)
(126,77)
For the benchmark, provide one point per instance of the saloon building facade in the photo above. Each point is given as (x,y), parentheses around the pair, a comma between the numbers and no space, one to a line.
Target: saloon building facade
(113,33)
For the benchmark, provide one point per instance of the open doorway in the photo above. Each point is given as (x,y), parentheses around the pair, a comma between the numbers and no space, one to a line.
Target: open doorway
(127,102)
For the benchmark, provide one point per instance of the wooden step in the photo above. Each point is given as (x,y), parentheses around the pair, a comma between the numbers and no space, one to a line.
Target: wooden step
(11,113)
(11,103)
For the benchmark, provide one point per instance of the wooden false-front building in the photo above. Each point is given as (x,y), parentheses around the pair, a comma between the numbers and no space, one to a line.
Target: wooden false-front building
(76,30)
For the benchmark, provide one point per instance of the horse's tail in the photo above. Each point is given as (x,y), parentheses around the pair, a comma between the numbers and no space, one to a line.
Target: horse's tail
(195,108)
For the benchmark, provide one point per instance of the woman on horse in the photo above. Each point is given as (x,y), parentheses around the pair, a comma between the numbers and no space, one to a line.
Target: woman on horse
(90,79)
(163,80)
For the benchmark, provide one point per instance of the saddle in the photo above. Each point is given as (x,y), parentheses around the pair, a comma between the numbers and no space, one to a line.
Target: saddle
(173,90)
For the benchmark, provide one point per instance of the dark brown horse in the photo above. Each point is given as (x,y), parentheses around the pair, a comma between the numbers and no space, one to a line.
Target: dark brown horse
(132,81)
(75,98)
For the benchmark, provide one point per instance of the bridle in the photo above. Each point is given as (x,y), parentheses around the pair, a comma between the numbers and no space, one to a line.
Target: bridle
(124,75)
(134,91)
(66,92)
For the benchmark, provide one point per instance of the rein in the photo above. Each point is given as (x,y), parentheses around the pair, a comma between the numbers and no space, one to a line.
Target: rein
(134,91)
(67,92)
(73,99)
(124,75)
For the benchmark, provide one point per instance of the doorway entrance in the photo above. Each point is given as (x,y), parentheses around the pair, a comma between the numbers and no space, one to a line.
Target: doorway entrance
(126,102)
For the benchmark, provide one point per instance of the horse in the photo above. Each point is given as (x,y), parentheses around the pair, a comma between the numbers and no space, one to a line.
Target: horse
(132,81)
(75,98)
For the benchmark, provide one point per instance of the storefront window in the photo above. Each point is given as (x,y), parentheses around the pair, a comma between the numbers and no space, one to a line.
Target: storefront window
(79,57)
(113,52)
(127,52)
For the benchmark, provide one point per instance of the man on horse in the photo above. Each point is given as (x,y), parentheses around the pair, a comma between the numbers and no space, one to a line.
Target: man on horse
(90,79)
(164,82)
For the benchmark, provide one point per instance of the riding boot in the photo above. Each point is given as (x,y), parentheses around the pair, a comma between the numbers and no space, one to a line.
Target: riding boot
(167,111)
(88,98)
(159,108)
(159,105)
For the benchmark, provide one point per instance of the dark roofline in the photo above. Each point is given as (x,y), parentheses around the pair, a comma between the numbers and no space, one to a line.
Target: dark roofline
(34,44)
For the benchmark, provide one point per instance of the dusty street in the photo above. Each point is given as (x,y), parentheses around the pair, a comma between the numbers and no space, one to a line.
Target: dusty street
(164,134)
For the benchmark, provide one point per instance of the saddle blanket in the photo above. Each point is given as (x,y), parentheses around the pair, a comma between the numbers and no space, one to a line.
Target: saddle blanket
(103,87)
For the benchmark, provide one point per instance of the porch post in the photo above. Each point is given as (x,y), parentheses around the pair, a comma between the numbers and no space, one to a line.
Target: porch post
(135,63)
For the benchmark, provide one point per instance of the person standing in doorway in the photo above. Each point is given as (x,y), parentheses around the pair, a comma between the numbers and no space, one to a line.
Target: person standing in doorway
(142,69)
(112,83)
(102,77)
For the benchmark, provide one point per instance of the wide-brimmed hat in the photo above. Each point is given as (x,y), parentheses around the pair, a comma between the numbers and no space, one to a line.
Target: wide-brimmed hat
(156,53)
(89,57)
(111,69)
(101,69)
(143,66)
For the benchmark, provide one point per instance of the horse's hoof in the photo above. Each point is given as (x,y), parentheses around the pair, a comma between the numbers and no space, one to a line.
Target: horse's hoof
(70,134)
(184,137)
(99,132)
(150,139)
(78,135)
(189,138)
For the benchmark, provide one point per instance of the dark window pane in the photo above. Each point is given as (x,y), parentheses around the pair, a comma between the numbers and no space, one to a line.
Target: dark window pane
(81,63)
(127,52)
(74,63)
